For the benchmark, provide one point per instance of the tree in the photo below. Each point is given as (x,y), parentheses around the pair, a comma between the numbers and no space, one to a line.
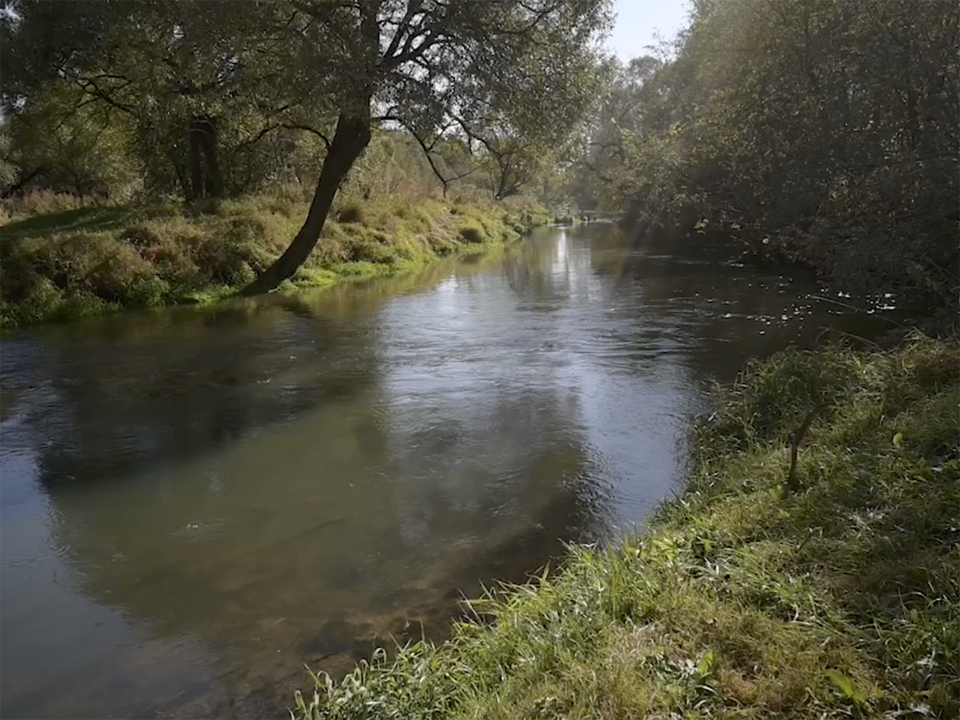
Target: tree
(825,131)
(599,161)
(180,74)
(188,74)
(85,150)
(432,66)
(9,171)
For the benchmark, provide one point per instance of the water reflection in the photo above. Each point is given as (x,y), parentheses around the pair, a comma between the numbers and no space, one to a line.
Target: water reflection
(194,504)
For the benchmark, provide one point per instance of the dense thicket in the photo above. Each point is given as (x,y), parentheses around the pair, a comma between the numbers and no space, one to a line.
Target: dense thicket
(825,131)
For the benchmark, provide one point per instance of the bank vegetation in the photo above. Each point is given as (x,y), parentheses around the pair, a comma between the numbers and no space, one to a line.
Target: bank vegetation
(77,261)
(832,591)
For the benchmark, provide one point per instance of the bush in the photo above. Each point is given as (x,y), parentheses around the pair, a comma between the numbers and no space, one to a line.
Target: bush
(771,398)
(352,213)
(143,236)
(119,269)
(41,299)
(39,202)
(473,233)
(174,262)
(79,304)
(222,261)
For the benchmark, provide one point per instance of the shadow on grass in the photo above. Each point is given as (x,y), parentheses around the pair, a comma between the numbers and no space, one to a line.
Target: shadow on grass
(92,219)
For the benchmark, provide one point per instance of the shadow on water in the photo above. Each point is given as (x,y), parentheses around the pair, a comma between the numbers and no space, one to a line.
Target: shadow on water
(196,503)
(186,379)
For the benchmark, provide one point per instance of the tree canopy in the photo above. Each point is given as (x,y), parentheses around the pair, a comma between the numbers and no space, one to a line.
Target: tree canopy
(215,97)
(825,131)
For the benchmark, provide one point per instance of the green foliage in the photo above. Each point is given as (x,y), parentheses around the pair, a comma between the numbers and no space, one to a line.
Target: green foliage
(206,98)
(770,398)
(351,213)
(87,261)
(8,167)
(821,131)
(473,233)
(71,147)
(213,99)
(597,175)
(737,600)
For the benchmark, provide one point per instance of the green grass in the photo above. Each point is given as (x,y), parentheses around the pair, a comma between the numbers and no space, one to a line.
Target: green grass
(740,599)
(73,262)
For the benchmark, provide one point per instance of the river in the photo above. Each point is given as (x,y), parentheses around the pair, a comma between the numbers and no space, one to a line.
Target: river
(196,503)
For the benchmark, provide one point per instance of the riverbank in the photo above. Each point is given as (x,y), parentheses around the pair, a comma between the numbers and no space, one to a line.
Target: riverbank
(834,594)
(71,263)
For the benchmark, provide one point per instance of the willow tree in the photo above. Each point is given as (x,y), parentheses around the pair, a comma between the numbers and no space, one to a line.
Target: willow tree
(434,67)
(180,71)
(599,155)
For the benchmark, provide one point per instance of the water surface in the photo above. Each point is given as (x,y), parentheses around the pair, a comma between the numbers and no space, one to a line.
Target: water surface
(194,504)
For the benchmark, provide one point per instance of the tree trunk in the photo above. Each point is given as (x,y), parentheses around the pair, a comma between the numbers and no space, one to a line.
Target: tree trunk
(213,183)
(181,178)
(205,179)
(351,137)
(196,163)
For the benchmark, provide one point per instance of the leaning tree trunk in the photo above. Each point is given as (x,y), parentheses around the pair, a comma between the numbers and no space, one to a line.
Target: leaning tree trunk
(351,137)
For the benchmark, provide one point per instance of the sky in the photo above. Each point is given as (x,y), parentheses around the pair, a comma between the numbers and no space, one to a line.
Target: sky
(638,21)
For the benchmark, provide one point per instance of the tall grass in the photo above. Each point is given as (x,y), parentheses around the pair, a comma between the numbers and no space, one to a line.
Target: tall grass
(741,599)
(38,202)
(76,261)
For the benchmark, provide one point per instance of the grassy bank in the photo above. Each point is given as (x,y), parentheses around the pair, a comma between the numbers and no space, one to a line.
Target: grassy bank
(743,598)
(72,262)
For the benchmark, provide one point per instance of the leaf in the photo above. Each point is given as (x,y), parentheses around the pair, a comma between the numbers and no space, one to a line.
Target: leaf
(846,687)
(707,663)
(897,440)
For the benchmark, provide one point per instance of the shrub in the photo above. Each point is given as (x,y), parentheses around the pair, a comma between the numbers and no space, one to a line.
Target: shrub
(40,301)
(118,270)
(473,233)
(222,261)
(374,248)
(142,236)
(175,264)
(40,202)
(79,304)
(352,213)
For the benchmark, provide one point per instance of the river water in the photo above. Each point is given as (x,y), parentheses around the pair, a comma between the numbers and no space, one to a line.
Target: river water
(196,503)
